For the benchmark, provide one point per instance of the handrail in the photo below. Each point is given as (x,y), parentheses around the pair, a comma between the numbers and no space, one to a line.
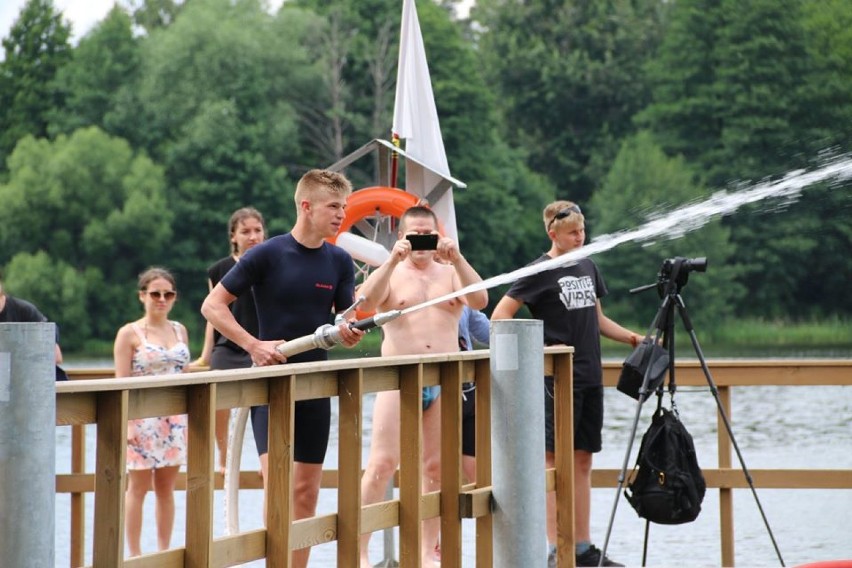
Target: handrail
(110,403)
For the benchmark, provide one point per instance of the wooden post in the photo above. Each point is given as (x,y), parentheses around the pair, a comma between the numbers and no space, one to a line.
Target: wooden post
(350,433)
(201,410)
(484,525)
(110,479)
(411,464)
(726,494)
(564,445)
(451,472)
(279,497)
(78,500)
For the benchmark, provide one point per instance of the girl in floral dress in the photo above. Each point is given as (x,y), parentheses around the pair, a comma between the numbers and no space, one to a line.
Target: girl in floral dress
(156,447)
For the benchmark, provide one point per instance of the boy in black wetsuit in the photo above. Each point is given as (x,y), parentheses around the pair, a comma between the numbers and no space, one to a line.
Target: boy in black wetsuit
(298,279)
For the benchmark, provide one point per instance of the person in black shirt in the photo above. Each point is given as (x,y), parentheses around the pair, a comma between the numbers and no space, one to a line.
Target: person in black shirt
(16,310)
(567,300)
(245,230)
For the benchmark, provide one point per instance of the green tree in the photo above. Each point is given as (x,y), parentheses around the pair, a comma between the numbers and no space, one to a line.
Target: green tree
(569,77)
(641,180)
(827,103)
(357,54)
(496,230)
(93,83)
(152,15)
(744,90)
(685,112)
(88,202)
(761,61)
(37,47)
(57,289)
(498,214)
(217,100)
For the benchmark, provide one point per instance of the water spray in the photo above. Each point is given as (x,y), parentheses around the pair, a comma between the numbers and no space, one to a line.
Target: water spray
(671,226)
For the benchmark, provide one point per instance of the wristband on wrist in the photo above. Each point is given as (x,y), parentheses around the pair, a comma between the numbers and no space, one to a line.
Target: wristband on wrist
(634,340)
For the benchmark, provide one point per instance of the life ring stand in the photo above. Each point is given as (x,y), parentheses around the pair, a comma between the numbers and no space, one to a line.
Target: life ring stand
(369,201)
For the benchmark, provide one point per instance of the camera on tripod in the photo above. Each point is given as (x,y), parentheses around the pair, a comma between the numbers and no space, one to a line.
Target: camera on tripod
(678,269)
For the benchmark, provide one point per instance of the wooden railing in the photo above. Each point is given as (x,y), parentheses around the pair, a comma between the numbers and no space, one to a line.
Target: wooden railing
(109,404)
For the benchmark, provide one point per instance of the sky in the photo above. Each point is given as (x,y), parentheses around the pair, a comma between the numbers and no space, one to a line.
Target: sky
(83,14)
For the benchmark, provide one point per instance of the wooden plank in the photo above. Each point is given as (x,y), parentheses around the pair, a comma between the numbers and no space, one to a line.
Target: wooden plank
(451,470)
(726,496)
(280,458)
(322,384)
(379,516)
(484,525)
(734,478)
(782,372)
(78,498)
(475,503)
(380,369)
(163,401)
(172,558)
(430,505)
(350,440)
(85,482)
(381,379)
(201,402)
(76,409)
(411,464)
(241,394)
(110,478)
(564,457)
(238,549)
(314,531)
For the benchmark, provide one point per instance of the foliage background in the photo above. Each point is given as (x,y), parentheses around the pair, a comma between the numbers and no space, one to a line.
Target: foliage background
(133,147)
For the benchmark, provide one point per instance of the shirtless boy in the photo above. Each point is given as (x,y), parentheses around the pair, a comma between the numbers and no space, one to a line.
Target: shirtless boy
(409,278)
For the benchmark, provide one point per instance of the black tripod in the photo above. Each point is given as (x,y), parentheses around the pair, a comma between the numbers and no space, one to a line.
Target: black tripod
(673,276)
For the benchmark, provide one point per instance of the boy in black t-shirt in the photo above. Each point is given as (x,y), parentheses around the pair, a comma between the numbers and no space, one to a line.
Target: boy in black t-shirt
(567,300)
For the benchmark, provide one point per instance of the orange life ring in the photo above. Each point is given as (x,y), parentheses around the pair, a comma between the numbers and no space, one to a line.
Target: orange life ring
(370,200)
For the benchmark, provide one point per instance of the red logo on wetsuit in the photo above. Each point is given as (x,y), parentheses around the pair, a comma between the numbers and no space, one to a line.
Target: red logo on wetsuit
(324,286)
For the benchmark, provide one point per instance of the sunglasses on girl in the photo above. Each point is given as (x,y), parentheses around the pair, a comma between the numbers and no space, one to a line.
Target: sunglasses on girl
(157,295)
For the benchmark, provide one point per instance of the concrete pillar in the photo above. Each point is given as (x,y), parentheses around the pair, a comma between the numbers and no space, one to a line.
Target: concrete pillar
(27,445)
(517,439)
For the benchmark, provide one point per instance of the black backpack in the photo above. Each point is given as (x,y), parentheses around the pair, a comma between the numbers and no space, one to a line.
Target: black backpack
(666,486)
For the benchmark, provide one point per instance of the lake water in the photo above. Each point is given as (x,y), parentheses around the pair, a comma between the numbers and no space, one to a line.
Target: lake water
(776,427)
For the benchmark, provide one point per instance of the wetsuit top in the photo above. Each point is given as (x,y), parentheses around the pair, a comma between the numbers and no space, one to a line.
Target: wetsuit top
(243,307)
(295,288)
(565,299)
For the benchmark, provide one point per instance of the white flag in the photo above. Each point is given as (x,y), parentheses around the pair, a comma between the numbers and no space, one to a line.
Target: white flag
(415,118)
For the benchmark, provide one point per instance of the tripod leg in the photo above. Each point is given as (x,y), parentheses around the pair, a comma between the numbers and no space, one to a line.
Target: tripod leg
(664,314)
(684,315)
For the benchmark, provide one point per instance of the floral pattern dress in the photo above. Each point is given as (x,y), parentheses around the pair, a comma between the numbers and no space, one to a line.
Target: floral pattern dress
(159,441)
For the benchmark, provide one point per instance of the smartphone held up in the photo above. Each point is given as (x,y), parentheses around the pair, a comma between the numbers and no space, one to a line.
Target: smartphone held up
(423,242)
